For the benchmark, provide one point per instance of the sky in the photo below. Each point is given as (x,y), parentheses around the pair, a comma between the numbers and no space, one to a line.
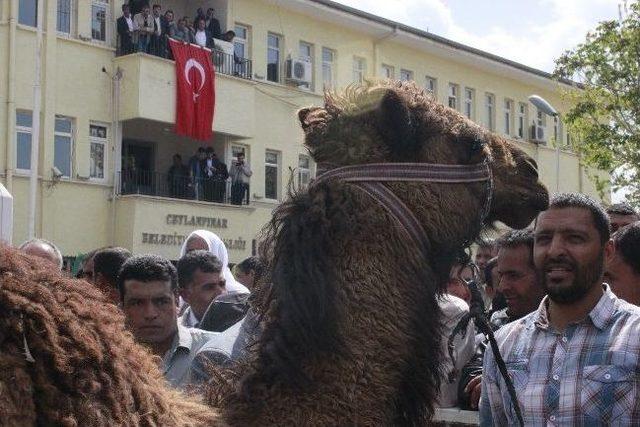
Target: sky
(532,32)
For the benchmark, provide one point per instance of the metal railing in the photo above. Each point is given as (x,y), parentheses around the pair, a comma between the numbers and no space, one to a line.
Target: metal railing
(181,187)
(225,63)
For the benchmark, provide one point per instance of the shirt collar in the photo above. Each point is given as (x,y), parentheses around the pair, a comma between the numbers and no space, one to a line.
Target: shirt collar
(600,315)
(184,338)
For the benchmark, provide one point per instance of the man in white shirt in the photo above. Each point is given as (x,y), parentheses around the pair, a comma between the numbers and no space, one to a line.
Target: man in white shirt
(202,35)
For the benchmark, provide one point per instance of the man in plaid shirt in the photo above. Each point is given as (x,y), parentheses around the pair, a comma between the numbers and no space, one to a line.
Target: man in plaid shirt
(575,360)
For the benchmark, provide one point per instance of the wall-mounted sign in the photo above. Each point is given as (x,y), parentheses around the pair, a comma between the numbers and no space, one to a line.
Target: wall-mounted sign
(196,221)
(176,239)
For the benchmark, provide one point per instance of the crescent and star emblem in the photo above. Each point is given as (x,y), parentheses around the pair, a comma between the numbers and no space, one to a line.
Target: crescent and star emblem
(192,63)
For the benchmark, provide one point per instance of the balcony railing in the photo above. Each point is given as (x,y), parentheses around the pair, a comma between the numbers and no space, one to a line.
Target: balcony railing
(182,187)
(225,63)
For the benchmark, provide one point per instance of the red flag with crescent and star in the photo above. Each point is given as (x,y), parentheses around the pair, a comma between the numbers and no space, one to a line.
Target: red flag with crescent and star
(195,90)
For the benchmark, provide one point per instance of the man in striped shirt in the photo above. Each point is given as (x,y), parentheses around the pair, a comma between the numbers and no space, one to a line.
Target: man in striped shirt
(575,360)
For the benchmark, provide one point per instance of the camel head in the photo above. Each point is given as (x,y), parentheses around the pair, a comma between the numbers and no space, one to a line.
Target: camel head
(398,122)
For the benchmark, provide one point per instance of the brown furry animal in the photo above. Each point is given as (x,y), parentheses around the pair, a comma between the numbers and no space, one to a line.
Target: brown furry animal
(86,369)
(351,321)
(351,332)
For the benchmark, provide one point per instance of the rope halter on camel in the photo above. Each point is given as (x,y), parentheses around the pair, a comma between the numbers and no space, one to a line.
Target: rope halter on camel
(369,178)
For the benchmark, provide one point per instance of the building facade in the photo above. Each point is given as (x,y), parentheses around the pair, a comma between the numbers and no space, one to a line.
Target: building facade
(106,138)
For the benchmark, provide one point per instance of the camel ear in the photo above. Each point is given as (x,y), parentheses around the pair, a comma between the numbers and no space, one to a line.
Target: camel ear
(310,117)
(396,123)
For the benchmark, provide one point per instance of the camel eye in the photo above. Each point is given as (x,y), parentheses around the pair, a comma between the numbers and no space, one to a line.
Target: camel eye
(477,144)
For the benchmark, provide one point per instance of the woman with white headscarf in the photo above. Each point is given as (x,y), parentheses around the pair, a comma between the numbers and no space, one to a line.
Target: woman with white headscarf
(209,241)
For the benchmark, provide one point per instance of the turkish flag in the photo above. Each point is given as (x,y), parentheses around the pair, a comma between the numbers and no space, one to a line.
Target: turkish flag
(195,90)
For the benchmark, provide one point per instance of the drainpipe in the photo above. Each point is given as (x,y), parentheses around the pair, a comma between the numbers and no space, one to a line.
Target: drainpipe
(376,45)
(11,95)
(35,139)
(117,148)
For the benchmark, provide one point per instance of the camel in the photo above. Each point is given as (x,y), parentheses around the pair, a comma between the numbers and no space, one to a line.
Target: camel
(348,305)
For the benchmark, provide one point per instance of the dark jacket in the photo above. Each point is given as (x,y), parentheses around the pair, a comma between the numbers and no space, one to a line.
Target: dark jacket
(126,36)
(224,312)
(214,28)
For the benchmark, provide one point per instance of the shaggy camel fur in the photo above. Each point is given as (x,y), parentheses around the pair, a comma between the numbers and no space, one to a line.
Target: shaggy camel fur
(86,369)
(350,315)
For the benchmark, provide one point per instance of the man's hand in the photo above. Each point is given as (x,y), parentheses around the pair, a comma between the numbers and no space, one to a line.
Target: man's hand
(473,389)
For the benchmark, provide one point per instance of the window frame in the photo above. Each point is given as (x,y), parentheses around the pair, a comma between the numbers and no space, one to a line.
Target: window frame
(105,143)
(308,171)
(279,49)
(469,103)
(24,130)
(107,28)
(453,94)
(359,69)
(278,168)
(490,111)
(71,19)
(388,71)
(508,116)
(427,81)
(407,73)
(70,135)
(35,23)
(309,57)
(330,66)
(522,120)
(242,41)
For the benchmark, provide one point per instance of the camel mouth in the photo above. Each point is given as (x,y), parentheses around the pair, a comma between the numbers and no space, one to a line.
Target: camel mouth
(519,212)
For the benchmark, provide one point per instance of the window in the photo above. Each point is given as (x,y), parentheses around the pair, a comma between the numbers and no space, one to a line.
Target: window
(522,119)
(240,41)
(388,72)
(64,17)
(556,131)
(274,43)
(359,69)
(453,96)
(28,12)
(306,54)
(304,171)
(99,20)
(508,114)
(431,85)
(469,97)
(63,145)
(406,75)
(98,149)
(489,105)
(24,126)
(541,119)
(328,60)
(271,174)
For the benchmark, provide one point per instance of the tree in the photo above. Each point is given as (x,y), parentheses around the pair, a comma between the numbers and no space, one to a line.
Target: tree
(604,121)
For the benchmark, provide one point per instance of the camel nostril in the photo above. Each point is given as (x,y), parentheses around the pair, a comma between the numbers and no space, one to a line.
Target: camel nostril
(532,167)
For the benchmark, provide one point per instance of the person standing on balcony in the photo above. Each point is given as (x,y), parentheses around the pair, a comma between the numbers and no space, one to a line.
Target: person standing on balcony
(202,36)
(220,177)
(182,31)
(213,25)
(126,27)
(197,164)
(156,46)
(240,175)
(178,178)
(143,28)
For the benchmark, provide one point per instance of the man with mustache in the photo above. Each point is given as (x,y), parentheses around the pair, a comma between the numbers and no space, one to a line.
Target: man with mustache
(519,282)
(575,359)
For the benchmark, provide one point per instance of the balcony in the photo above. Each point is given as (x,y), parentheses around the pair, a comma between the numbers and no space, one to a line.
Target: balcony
(148,91)
(157,184)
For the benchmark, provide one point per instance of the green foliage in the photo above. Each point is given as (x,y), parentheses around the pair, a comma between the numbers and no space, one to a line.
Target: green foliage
(605,119)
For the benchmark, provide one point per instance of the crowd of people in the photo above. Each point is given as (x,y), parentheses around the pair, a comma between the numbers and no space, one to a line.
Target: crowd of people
(205,177)
(562,298)
(149,30)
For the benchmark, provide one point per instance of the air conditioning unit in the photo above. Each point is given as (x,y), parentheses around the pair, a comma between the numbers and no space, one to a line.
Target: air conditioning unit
(298,71)
(537,134)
